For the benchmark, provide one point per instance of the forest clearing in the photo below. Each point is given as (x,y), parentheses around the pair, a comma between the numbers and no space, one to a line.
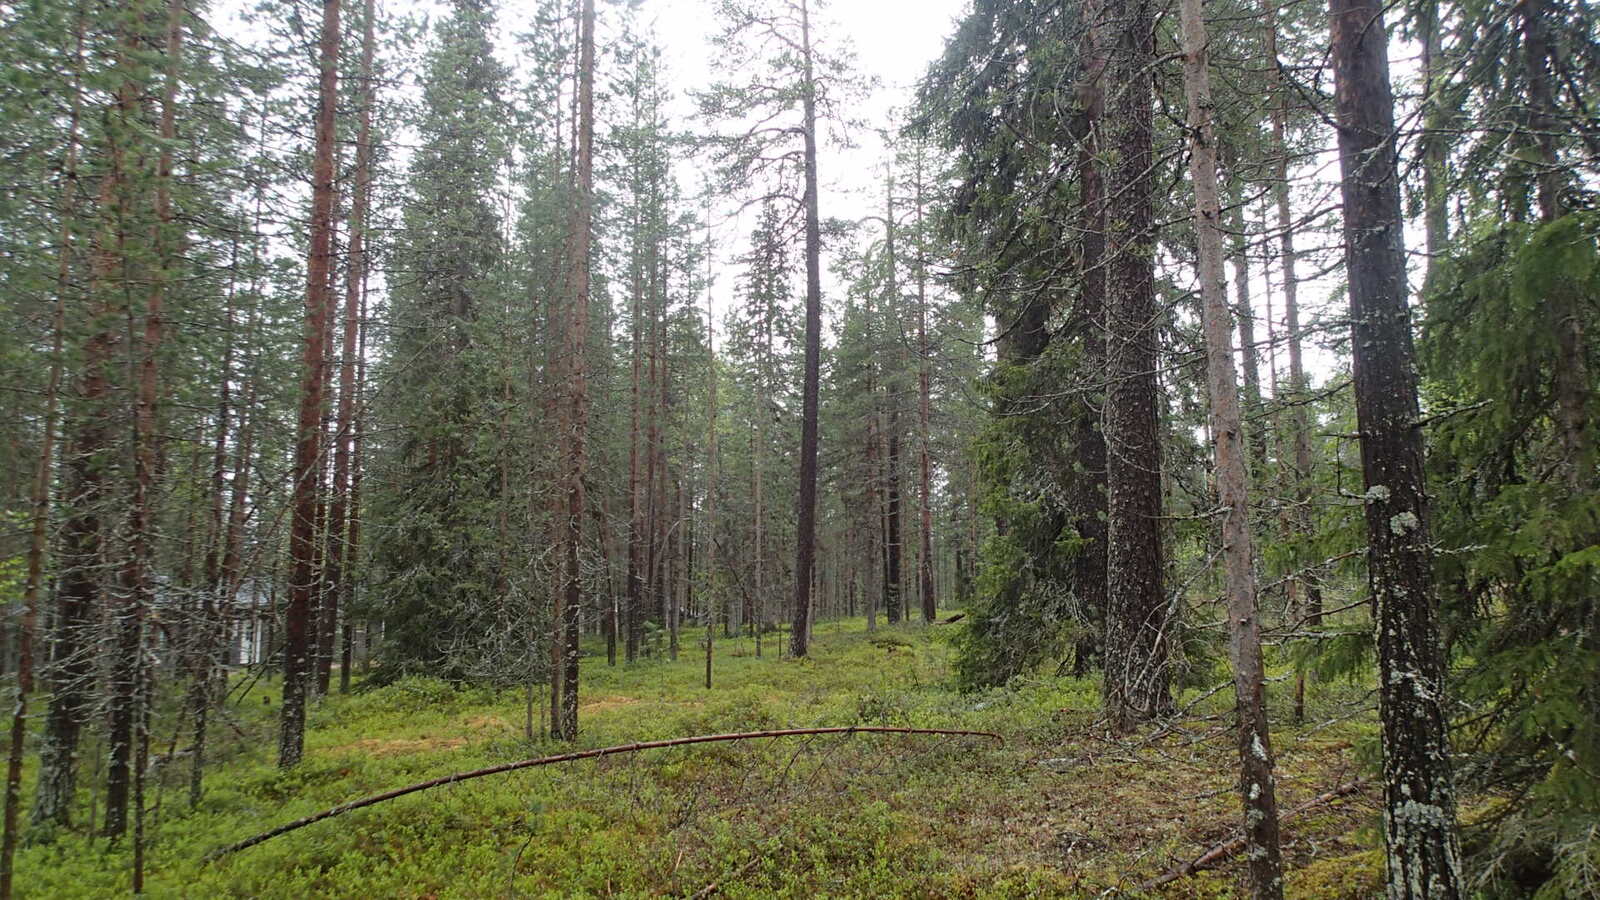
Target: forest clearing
(1062,808)
(784,448)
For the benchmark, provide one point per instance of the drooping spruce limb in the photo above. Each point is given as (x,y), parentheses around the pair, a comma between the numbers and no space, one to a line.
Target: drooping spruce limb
(1223,850)
(570,757)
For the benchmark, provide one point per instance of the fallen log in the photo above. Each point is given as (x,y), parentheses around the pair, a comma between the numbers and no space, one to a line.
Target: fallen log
(569,757)
(1229,847)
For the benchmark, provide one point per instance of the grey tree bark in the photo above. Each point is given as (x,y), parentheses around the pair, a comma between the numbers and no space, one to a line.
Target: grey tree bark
(1424,854)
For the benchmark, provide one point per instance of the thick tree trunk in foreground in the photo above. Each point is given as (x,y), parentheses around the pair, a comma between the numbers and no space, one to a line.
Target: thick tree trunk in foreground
(299,618)
(806,511)
(1424,854)
(1136,643)
(1256,784)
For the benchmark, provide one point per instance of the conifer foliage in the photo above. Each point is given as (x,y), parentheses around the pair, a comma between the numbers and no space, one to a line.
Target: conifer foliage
(472,347)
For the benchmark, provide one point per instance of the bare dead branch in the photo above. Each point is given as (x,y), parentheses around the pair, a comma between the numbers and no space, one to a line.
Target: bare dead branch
(375,799)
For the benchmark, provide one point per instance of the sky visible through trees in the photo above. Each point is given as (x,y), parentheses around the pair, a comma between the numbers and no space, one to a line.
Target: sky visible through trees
(1137,390)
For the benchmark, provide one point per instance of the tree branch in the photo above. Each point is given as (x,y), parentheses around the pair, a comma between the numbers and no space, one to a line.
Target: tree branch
(375,799)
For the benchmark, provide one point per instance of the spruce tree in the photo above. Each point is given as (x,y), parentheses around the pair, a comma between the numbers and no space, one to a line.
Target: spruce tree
(436,475)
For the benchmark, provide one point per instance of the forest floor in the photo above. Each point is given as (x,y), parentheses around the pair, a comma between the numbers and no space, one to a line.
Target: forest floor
(1060,809)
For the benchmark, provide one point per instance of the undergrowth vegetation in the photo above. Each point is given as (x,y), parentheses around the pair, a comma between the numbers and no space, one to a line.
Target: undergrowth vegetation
(1059,809)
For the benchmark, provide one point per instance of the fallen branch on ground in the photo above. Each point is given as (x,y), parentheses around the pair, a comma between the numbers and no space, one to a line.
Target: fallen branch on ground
(1229,847)
(569,757)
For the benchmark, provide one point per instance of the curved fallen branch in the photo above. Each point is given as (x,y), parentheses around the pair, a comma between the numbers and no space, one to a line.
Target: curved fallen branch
(1229,847)
(569,757)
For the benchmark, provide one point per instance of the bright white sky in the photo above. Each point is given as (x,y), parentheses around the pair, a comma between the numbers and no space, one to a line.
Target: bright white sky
(894,42)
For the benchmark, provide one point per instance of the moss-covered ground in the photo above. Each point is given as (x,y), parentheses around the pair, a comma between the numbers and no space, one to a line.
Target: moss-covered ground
(1060,809)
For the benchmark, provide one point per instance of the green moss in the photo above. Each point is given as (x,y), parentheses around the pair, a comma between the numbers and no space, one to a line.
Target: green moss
(860,816)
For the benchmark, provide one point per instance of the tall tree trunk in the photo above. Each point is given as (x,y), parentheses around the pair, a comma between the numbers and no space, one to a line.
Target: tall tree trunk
(891,518)
(1137,638)
(1305,589)
(806,508)
(636,524)
(892,593)
(1424,852)
(876,552)
(1089,443)
(759,464)
(213,596)
(930,606)
(711,492)
(39,526)
(324,612)
(357,468)
(569,598)
(299,620)
(127,671)
(1572,382)
(341,588)
(1257,789)
(652,501)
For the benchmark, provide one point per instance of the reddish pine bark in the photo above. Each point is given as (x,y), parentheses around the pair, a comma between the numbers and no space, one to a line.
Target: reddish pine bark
(569,597)
(299,620)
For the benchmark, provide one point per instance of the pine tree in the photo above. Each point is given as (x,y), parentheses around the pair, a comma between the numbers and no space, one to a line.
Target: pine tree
(299,621)
(574,420)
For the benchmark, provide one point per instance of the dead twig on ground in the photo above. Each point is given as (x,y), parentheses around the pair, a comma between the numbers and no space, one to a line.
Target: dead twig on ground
(1232,845)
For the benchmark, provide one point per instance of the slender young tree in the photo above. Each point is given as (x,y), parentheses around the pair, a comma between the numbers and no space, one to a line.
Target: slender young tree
(1424,854)
(713,473)
(1306,592)
(1257,787)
